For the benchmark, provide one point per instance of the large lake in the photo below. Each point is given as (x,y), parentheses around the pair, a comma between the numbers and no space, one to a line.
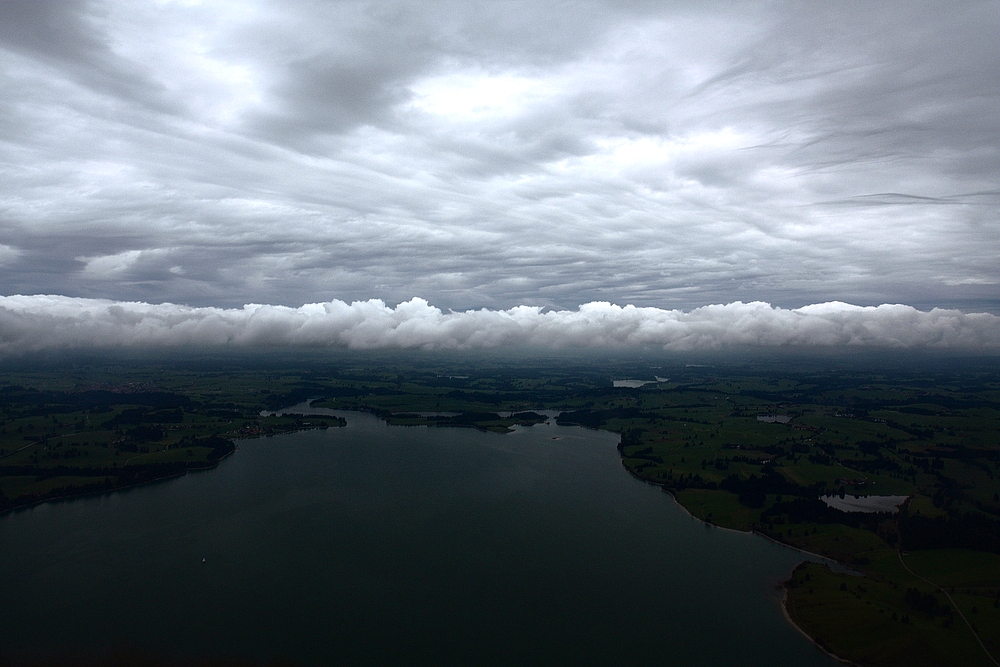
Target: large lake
(374,544)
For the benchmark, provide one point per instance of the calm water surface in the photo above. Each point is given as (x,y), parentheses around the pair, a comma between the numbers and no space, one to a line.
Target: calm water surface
(374,544)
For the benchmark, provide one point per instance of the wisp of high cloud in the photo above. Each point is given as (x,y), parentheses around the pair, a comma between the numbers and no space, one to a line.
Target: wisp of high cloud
(41,322)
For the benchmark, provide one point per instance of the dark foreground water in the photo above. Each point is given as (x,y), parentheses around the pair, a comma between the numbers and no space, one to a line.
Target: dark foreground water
(374,544)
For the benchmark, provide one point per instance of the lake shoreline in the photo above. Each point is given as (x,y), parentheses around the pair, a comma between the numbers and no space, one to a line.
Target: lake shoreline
(816,642)
(115,489)
(784,597)
(125,487)
(258,460)
(384,416)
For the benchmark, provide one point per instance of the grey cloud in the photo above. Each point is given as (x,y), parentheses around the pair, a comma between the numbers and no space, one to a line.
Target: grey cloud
(494,154)
(69,38)
(32,323)
(357,59)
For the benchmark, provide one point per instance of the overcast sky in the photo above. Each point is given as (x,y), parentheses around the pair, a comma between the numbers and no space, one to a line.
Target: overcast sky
(489,155)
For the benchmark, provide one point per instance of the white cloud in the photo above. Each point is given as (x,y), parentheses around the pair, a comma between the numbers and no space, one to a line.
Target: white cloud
(8,254)
(478,96)
(970,281)
(29,323)
(109,265)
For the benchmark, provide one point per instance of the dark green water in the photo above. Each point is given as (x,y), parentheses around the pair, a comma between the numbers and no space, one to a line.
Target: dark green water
(389,545)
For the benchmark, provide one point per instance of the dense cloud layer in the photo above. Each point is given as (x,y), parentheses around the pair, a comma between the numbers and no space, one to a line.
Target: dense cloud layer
(30,323)
(668,154)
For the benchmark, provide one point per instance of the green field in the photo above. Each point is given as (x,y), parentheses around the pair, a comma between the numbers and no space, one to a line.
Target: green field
(869,621)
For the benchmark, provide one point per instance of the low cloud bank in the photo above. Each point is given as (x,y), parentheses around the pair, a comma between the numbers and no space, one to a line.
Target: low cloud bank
(32,323)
